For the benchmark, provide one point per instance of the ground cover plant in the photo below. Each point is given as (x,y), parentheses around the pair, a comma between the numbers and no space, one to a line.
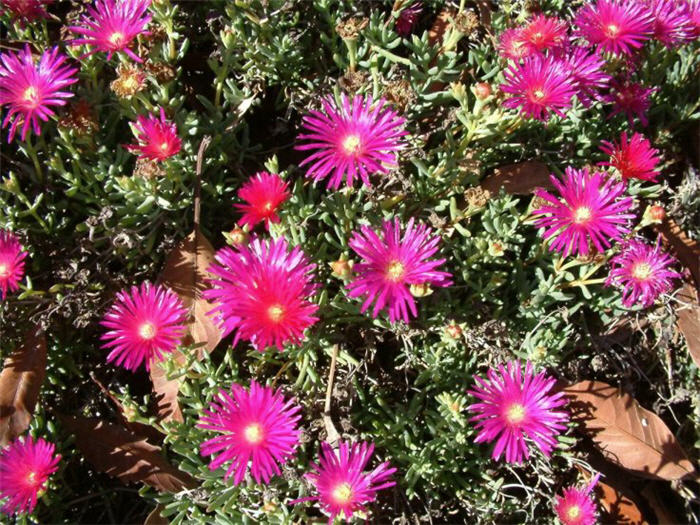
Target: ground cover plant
(275,261)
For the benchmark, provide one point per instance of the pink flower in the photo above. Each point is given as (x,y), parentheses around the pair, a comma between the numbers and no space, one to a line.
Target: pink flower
(111,25)
(544,32)
(408,18)
(342,485)
(512,44)
(156,137)
(672,24)
(634,158)
(539,85)
(29,89)
(356,140)
(143,325)
(630,98)
(11,263)
(391,264)
(25,10)
(25,467)
(617,26)
(693,8)
(258,426)
(263,193)
(590,208)
(576,507)
(264,292)
(516,407)
(588,74)
(643,273)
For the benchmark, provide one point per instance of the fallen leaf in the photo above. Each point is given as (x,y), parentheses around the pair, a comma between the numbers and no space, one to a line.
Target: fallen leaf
(665,515)
(122,454)
(518,179)
(20,383)
(154,517)
(689,321)
(626,433)
(687,250)
(166,390)
(618,507)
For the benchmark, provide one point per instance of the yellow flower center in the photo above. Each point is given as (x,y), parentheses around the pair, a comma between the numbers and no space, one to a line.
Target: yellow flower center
(116,38)
(612,31)
(4,270)
(538,94)
(515,414)
(351,144)
(30,95)
(267,206)
(395,271)
(31,477)
(164,146)
(536,37)
(130,83)
(275,313)
(342,493)
(253,433)
(582,214)
(147,330)
(573,512)
(641,271)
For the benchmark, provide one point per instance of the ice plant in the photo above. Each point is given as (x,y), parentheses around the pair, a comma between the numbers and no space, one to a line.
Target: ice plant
(516,408)
(617,26)
(575,506)
(263,194)
(643,272)
(629,98)
(11,263)
(143,325)
(110,26)
(543,33)
(341,482)
(590,207)
(408,18)
(633,158)
(156,137)
(393,262)
(30,88)
(672,24)
(25,467)
(357,139)
(256,426)
(587,73)
(693,7)
(539,86)
(511,44)
(25,10)
(263,291)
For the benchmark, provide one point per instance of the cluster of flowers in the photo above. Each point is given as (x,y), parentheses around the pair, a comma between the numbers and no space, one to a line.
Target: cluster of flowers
(549,66)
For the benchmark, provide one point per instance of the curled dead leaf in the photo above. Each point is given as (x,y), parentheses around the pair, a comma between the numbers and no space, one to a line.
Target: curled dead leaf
(688,313)
(122,454)
(686,249)
(626,433)
(518,179)
(20,382)
(166,391)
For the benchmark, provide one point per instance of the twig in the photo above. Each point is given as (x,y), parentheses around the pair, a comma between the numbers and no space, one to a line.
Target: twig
(333,435)
(206,140)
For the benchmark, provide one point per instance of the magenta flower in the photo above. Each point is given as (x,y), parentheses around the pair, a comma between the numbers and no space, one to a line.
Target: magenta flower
(630,98)
(544,32)
(672,24)
(111,25)
(356,140)
(643,273)
(25,10)
(588,74)
(144,324)
(693,7)
(264,292)
(342,485)
(516,407)
(156,137)
(29,89)
(263,194)
(512,45)
(25,467)
(391,264)
(633,158)
(256,426)
(575,506)
(539,85)
(11,263)
(408,18)
(590,208)
(617,26)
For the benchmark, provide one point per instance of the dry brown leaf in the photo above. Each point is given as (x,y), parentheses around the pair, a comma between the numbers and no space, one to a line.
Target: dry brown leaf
(618,507)
(626,433)
(166,390)
(154,517)
(20,383)
(518,179)
(689,321)
(122,454)
(687,250)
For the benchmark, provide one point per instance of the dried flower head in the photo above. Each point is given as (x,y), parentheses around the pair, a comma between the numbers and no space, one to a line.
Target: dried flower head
(130,80)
